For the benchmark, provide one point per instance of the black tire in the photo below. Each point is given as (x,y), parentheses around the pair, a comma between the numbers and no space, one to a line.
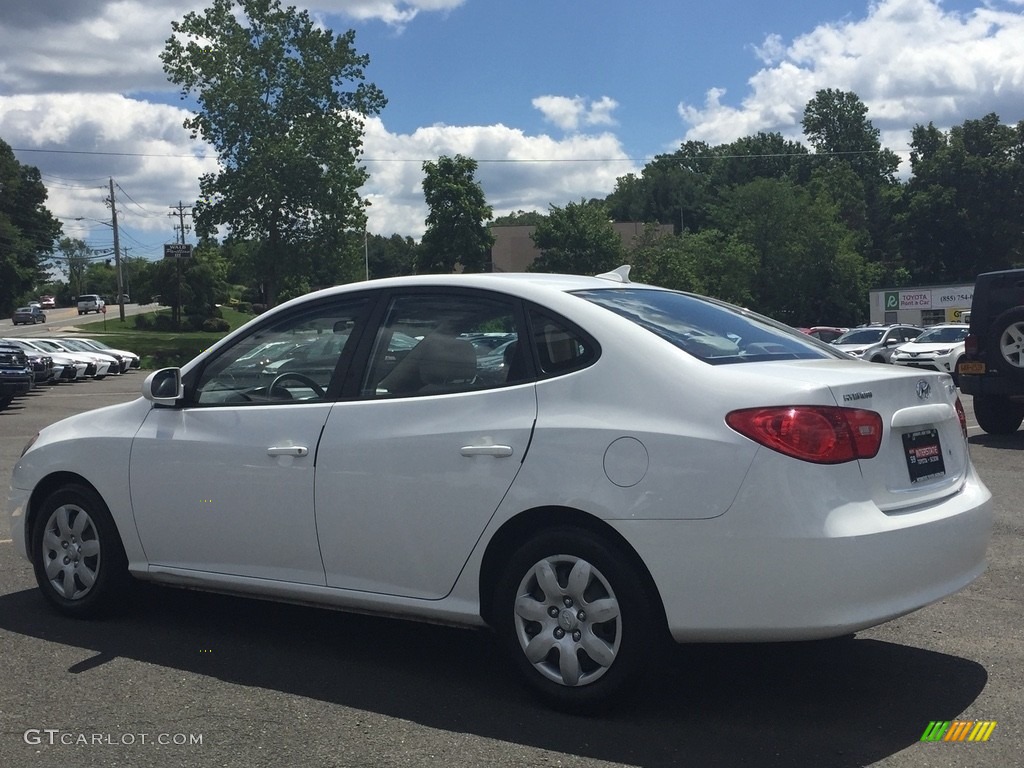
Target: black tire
(77,555)
(611,656)
(998,415)
(1006,343)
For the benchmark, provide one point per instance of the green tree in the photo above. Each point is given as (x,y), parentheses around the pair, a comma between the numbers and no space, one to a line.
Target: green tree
(708,262)
(761,156)
(672,189)
(457,231)
(28,231)
(391,256)
(100,277)
(577,239)
(74,259)
(836,125)
(519,219)
(964,211)
(282,100)
(806,269)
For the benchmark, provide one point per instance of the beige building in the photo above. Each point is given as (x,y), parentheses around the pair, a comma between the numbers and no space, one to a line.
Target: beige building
(514,251)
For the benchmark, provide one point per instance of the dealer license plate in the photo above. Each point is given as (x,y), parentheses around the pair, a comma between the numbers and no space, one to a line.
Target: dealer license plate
(924,455)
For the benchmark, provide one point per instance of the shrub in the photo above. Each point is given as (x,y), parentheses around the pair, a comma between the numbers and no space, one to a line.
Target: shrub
(162,322)
(216,325)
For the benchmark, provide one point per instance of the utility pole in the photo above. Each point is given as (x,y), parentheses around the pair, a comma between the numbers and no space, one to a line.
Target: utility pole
(181,209)
(117,252)
(127,281)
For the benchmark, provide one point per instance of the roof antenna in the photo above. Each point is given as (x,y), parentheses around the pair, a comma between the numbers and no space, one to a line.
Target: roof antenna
(620,275)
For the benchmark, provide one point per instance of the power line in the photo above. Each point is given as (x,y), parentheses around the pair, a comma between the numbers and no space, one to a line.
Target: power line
(522,161)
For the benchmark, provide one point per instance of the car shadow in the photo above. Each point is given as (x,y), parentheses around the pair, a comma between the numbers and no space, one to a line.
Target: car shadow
(1014,441)
(847,702)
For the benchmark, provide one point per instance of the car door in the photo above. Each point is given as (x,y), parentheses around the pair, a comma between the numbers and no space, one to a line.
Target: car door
(224,484)
(412,468)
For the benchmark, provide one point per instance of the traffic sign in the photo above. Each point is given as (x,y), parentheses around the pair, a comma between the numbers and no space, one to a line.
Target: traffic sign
(177,250)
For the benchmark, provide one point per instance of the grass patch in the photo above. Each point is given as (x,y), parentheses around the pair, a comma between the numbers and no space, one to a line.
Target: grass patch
(160,349)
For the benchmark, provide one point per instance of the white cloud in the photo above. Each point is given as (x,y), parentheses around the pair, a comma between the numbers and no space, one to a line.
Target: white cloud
(898,59)
(395,13)
(516,171)
(569,113)
(142,146)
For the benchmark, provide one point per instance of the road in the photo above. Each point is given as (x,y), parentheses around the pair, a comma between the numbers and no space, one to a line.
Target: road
(68,317)
(261,684)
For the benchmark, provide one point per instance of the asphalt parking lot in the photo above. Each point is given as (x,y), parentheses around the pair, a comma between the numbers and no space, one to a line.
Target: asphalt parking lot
(189,679)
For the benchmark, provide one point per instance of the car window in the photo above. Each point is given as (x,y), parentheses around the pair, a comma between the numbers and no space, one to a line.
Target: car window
(429,344)
(710,330)
(560,348)
(292,360)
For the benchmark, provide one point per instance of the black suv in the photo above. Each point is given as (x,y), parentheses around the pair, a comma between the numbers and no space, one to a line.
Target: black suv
(992,368)
(15,374)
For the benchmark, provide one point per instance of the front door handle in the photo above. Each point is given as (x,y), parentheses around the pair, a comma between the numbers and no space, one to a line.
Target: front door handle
(501,451)
(288,450)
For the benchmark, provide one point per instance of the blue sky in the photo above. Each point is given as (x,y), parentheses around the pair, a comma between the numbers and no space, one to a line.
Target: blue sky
(554,99)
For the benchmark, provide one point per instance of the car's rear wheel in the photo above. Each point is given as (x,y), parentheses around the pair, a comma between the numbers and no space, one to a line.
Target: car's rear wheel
(1007,342)
(79,561)
(998,415)
(576,618)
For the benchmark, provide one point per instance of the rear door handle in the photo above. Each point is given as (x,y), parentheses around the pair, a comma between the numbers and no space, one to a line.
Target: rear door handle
(501,451)
(288,450)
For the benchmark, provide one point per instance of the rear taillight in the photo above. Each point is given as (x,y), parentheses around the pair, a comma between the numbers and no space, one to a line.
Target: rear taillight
(816,433)
(962,416)
(971,344)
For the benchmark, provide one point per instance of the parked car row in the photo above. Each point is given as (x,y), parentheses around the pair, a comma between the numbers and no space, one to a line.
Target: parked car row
(29,363)
(936,348)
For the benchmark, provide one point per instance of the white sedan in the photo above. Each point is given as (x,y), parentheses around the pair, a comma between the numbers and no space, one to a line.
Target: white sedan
(643,464)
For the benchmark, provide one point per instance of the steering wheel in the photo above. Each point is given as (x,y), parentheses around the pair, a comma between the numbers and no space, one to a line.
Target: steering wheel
(299,377)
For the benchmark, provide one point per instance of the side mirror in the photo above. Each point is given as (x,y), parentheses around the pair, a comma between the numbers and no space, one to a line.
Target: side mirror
(164,387)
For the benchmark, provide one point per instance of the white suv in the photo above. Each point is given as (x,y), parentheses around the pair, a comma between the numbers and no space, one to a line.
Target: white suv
(90,302)
(939,348)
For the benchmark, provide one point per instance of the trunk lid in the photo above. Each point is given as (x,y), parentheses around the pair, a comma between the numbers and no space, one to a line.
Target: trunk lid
(923,455)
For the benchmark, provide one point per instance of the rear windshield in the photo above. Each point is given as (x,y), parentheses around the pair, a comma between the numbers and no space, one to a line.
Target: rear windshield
(713,331)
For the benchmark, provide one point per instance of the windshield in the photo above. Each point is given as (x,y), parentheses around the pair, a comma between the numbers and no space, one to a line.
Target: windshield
(941,336)
(711,330)
(861,336)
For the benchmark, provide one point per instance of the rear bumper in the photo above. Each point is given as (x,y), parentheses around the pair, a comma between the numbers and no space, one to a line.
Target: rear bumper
(15,385)
(856,568)
(991,385)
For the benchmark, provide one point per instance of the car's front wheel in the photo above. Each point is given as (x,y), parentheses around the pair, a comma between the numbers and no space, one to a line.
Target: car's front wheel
(79,561)
(577,619)
(998,415)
